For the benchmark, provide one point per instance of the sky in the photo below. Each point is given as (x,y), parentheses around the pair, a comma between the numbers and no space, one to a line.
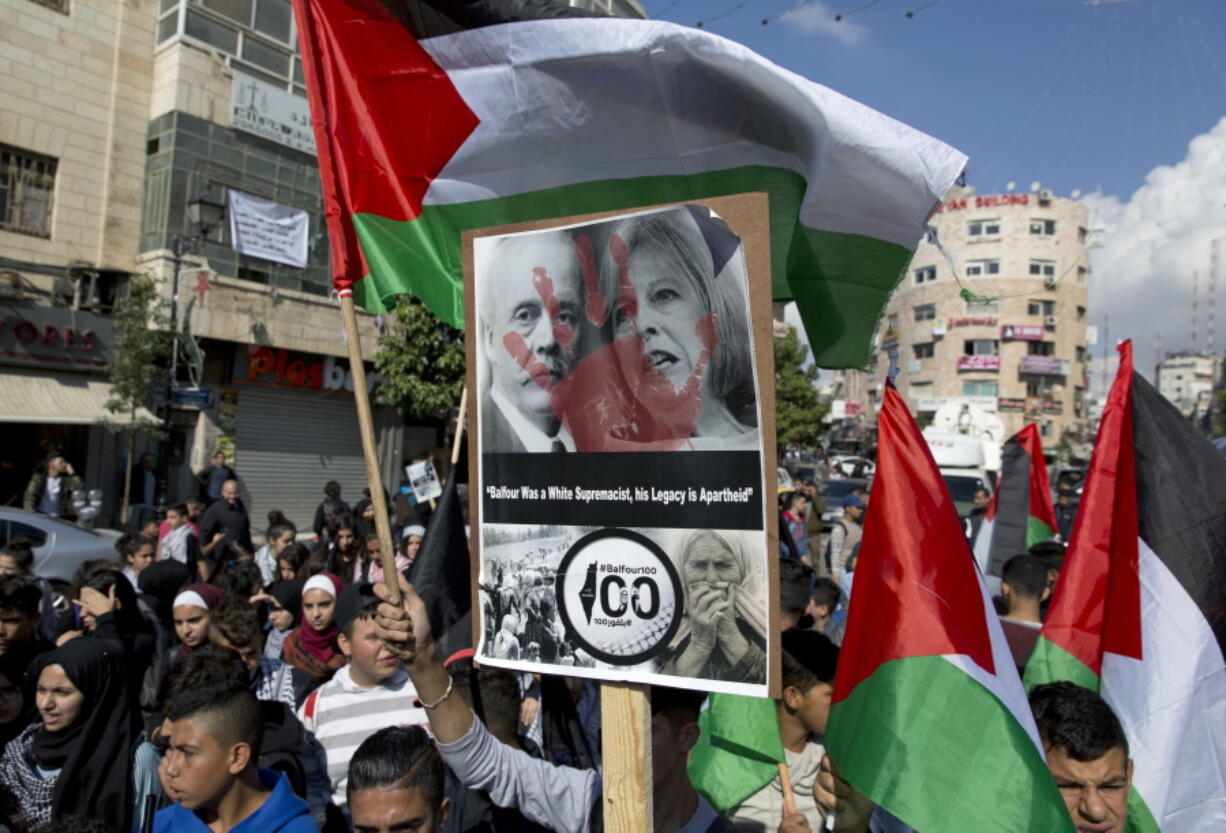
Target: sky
(1118,102)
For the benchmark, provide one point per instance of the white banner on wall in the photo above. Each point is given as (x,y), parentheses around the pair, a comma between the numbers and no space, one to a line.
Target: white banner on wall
(269,230)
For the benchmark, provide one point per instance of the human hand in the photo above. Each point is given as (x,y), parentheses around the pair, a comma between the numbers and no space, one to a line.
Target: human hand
(220,536)
(404,627)
(96,604)
(707,607)
(260,597)
(794,823)
(851,809)
(527,710)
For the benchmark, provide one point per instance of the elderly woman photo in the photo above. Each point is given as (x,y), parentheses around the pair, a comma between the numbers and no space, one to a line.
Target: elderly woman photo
(723,635)
(673,284)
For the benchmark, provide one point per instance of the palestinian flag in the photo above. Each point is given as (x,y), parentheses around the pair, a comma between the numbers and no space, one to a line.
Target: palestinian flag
(1020,513)
(928,716)
(434,117)
(739,751)
(1139,611)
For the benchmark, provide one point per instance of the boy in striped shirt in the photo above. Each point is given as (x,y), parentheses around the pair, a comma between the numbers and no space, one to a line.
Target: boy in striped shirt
(371,692)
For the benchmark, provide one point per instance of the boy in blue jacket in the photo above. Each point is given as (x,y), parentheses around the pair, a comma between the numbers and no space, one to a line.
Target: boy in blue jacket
(210,768)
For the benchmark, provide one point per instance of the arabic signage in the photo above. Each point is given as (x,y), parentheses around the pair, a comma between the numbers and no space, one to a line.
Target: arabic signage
(1021,332)
(978,363)
(972,321)
(269,230)
(1010,406)
(1044,365)
(271,113)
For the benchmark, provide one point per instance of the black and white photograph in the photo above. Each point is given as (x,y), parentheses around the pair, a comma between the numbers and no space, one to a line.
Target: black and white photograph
(702,615)
(629,334)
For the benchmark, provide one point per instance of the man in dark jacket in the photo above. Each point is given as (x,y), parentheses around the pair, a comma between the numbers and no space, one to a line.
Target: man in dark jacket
(50,491)
(224,522)
(210,481)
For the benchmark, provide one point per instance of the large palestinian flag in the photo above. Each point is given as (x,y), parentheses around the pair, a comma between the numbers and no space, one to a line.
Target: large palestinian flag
(929,719)
(1020,513)
(433,117)
(1139,611)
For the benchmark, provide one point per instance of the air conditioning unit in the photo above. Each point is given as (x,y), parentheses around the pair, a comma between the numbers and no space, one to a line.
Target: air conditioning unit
(1049,282)
(1044,196)
(1049,322)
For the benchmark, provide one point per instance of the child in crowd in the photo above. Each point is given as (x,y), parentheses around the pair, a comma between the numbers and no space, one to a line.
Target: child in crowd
(410,541)
(311,647)
(20,616)
(345,547)
(137,553)
(235,624)
(284,603)
(371,569)
(370,692)
(17,559)
(291,563)
(280,535)
(179,538)
(216,732)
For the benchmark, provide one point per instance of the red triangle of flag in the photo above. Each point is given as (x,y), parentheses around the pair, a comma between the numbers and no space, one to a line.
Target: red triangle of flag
(387,118)
(1040,493)
(917,591)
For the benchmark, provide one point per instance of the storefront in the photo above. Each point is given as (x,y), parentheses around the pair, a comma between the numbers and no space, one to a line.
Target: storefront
(292,423)
(53,391)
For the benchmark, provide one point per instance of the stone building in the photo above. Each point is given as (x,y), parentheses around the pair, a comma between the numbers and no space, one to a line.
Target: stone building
(996,314)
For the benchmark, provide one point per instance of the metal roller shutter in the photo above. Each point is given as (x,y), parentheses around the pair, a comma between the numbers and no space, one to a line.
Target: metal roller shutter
(288,445)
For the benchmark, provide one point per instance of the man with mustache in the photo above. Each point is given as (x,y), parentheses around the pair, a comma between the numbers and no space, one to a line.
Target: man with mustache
(531,312)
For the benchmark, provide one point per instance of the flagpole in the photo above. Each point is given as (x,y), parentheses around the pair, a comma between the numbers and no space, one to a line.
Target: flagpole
(366,425)
(625,732)
(785,783)
(460,419)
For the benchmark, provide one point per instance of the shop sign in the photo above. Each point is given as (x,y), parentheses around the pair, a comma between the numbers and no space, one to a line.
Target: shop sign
(852,408)
(54,336)
(979,363)
(985,201)
(1044,365)
(1021,332)
(939,325)
(267,365)
(1034,407)
(972,321)
(1051,407)
(933,403)
(1011,406)
(201,398)
(271,113)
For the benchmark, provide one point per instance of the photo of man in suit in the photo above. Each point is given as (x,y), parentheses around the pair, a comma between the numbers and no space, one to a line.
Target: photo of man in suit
(530,298)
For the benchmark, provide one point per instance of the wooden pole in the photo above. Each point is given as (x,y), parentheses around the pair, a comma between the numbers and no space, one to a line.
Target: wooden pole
(366,424)
(625,728)
(789,798)
(461,417)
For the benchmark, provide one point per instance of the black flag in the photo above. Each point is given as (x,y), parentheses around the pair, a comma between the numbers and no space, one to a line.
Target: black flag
(442,575)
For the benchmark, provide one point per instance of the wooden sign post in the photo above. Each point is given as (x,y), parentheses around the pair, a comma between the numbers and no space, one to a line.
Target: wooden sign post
(366,425)
(625,731)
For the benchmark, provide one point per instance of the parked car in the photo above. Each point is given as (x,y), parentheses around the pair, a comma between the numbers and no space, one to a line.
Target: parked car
(60,547)
(832,492)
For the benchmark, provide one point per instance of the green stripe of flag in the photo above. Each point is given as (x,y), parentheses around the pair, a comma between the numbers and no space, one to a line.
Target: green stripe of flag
(838,280)
(966,762)
(1049,662)
(1037,530)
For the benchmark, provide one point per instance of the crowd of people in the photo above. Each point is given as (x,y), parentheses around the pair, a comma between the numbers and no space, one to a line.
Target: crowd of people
(199,682)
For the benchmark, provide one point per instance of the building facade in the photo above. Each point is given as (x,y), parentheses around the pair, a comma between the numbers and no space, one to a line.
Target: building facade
(73,110)
(994,310)
(1189,380)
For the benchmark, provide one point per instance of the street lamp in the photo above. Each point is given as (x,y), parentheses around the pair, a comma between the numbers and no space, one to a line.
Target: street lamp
(203,214)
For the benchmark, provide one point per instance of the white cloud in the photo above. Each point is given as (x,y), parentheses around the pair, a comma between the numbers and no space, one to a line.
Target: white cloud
(1142,275)
(816,18)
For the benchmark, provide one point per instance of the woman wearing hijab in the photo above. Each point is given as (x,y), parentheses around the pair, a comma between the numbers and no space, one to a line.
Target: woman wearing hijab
(190,609)
(158,586)
(284,600)
(723,635)
(84,757)
(311,647)
(108,609)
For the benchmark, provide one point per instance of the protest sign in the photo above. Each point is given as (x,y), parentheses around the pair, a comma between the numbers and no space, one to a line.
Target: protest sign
(269,230)
(424,479)
(623,426)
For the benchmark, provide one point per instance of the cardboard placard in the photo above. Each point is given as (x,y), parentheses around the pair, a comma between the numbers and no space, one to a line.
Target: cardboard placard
(622,445)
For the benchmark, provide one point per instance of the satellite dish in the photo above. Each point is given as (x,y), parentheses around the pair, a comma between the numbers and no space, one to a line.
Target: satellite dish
(1076,193)
(1010,185)
(1034,186)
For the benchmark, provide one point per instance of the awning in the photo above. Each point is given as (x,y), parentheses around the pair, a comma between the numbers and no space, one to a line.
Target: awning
(58,398)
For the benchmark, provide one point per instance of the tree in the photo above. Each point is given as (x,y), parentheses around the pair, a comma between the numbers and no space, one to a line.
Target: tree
(141,346)
(798,413)
(422,362)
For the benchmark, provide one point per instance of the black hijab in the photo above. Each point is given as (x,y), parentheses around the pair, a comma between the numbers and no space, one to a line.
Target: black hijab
(161,581)
(13,666)
(94,754)
(289,595)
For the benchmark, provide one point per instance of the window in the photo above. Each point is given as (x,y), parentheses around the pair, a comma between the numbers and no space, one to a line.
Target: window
(1041,308)
(1081,354)
(1081,313)
(211,32)
(980,347)
(1081,274)
(1035,388)
(982,267)
(27,183)
(257,35)
(1040,348)
(982,307)
(273,60)
(970,388)
(1081,234)
(925,312)
(1044,268)
(924,351)
(891,321)
(1045,428)
(55,5)
(983,228)
(1046,228)
(928,274)
(273,17)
